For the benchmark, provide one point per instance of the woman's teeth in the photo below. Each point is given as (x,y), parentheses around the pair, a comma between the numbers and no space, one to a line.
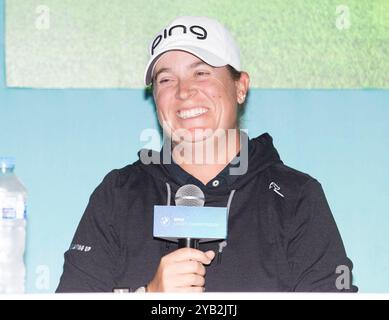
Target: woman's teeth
(191,113)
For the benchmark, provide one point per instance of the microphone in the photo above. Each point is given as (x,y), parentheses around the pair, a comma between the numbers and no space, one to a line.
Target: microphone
(189,195)
(189,223)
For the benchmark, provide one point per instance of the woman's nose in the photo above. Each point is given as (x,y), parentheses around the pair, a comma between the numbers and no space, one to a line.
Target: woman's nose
(185,89)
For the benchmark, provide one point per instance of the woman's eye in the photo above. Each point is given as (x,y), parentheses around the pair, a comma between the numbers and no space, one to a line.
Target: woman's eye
(202,73)
(163,81)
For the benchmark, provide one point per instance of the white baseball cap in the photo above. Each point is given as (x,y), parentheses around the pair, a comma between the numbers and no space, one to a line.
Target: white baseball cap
(203,37)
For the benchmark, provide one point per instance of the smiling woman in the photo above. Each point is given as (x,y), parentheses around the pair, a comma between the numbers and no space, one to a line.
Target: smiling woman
(202,74)
(191,94)
(281,233)
(198,103)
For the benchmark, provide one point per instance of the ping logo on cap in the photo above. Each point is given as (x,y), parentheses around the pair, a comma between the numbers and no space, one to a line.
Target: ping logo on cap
(203,37)
(198,31)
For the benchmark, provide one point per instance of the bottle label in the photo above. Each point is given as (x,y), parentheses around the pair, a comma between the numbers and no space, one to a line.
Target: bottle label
(12,206)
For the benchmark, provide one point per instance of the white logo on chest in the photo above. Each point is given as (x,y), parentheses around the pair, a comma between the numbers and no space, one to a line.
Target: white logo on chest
(275,188)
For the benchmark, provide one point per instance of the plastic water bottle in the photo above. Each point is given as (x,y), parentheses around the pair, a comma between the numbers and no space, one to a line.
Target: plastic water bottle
(13,196)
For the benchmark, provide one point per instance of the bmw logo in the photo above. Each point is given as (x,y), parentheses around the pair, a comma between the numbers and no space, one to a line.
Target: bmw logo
(165,221)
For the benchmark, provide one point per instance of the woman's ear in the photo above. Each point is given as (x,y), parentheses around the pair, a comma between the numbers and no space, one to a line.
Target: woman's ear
(242,86)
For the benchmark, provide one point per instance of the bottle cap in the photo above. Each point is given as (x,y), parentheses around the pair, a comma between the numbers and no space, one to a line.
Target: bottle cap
(7,163)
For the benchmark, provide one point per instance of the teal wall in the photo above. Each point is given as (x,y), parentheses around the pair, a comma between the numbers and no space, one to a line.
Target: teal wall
(65,141)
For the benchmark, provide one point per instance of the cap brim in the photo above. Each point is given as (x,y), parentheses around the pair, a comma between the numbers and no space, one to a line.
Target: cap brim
(201,53)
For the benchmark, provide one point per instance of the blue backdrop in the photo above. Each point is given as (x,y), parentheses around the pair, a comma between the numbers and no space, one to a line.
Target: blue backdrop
(65,141)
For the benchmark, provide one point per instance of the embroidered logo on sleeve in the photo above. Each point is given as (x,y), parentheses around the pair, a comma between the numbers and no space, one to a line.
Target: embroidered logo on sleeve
(80,247)
(276,189)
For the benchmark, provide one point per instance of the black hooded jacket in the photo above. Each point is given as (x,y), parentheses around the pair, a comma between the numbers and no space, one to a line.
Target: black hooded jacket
(281,233)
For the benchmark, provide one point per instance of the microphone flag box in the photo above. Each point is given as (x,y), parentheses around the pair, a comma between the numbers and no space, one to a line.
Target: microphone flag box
(203,223)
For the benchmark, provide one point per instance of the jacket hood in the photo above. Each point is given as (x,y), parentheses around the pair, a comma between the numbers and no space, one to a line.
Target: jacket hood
(261,155)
